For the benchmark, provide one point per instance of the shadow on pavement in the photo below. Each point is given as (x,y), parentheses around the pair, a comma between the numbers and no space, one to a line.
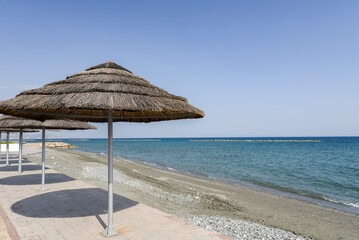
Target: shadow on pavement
(11,156)
(3,162)
(70,204)
(35,179)
(24,168)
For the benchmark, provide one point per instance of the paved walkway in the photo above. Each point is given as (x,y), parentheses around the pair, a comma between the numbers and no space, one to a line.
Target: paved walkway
(72,209)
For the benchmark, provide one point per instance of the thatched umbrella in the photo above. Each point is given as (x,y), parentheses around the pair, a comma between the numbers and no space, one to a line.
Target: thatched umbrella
(103,93)
(21,123)
(8,131)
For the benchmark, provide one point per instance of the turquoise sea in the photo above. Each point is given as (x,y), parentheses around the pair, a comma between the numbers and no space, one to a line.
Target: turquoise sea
(324,172)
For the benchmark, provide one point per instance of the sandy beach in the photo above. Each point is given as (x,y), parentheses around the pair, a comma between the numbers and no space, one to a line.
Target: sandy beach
(234,211)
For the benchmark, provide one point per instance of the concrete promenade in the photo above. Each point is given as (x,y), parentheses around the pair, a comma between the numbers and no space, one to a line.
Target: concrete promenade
(72,209)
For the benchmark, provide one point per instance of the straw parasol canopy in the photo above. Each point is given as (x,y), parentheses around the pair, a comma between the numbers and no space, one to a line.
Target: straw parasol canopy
(17,130)
(88,96)
(103,93)
(21,123)
(17,122)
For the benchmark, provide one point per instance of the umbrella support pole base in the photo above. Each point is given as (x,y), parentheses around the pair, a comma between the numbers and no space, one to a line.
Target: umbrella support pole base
(110,231)
(19,173)
(43,188)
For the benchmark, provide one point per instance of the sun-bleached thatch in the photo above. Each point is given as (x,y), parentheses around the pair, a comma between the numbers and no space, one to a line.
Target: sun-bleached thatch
(17,122)
(89,95)
(17,130)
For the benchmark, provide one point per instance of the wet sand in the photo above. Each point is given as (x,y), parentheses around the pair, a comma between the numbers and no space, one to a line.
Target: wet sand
(200,200)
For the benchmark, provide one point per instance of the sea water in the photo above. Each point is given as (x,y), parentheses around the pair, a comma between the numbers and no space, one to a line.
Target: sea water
(325,171)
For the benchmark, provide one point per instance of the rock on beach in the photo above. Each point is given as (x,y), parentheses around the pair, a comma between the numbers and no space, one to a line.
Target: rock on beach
(53,145)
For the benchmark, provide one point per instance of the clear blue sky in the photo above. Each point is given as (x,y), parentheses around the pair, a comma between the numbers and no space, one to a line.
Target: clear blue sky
(256,68)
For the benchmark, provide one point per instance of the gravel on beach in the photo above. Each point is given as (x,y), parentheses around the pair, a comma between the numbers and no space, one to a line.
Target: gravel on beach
(238,229)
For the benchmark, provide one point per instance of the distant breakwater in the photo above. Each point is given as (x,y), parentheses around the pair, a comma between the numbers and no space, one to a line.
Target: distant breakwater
(250,140)
(136,140)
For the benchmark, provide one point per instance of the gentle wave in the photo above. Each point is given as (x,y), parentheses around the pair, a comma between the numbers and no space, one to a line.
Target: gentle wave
(354,205)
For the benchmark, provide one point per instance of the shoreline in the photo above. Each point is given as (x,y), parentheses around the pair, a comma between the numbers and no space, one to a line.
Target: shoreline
(300,187)
(191,197)
(347,208)
(337,205)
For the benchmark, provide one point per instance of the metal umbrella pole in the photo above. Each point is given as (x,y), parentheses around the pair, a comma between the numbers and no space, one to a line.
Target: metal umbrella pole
(7,148)
(110,229)
(43,161)
(20,151)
